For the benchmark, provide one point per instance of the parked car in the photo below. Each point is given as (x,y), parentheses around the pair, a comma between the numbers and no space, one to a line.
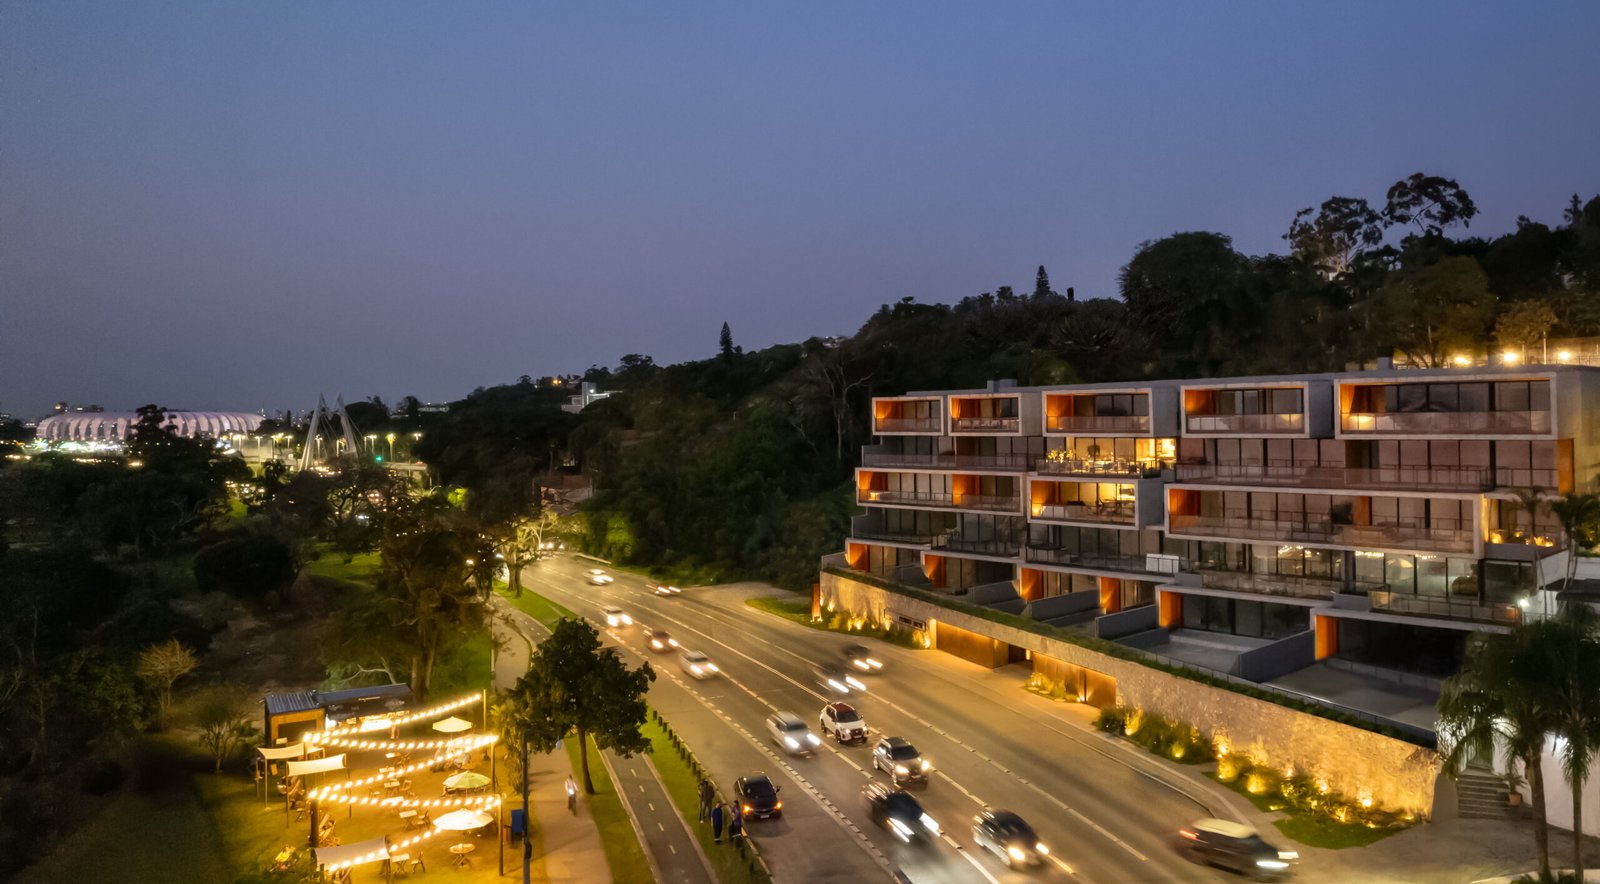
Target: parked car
(1008,837)
(598,577)
(898,812)
(615,616)
(758,798)
(660,642)
(1237,847)
(697,664)
(842,722)
(899,759)
(789,731)
(862,659)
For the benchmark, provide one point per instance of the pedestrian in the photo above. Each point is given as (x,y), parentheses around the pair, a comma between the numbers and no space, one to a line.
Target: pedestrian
(716,824)
(572,795)
(735,826)
(706,795)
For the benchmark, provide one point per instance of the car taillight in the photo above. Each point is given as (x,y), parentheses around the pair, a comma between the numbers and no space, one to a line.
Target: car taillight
(1188,834)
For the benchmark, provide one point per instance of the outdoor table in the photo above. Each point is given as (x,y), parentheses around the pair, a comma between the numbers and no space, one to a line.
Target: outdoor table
(408,816)
(461,850)
(395,863)
(392,785)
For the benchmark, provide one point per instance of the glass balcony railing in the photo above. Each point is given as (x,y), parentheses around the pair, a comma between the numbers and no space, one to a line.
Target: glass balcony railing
(1097,423)
(1007,462)
(1448,422)
(1295,585)
(1445,607)
(1245,423)
(1441,537)
(985,424)
(987,546)
(1048,555)
(908,425)
(1096,467)
(1315,476)
(1111,512)
(870,527)
(990,503)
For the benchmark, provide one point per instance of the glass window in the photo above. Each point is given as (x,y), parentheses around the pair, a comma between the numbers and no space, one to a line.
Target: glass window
(1443,397)
(1219,614)
(1432,576)
(1413,397)
(1539,396)
(1474,397)
(1247,618)
(1511,396)
(1249,401)
(1141,404)
(1400,572)
(1280,621)
(1286,402)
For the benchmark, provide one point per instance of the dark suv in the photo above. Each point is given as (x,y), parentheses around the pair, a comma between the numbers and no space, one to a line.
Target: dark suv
(1237,847)
(758,798)
(899,813)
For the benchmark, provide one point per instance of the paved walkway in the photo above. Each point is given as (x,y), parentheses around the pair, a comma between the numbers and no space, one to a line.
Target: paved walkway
(676,857)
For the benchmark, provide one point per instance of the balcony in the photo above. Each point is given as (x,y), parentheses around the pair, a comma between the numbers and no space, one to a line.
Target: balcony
(908,425)
(954,542)
(869,527)
(1110,512)
(1313,476)
(1058,556)
(944,499)
(1293,585)
(1440,538)
(1246,424)
(1097,423)
(944,461)
(1093,468)
(1444,608)
(986,425)
(1479,423)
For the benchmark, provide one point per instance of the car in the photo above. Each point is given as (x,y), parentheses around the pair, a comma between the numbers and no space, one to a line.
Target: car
(598,577)
(898,812)
(1237,847)
(758,797)
(696,664)
(615,616)
(842,722)
(1008,837)
(839,680)
(860,658)
(662,588)
(899,759)
(790,732)
(660,642)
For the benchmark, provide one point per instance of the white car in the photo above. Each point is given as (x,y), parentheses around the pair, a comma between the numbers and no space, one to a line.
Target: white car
(597,577)
(662,588)
(842,722)
(791,733)
(615,616)
(696,664)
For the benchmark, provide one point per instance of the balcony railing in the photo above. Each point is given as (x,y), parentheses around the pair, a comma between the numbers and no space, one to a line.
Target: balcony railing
(1245,423)
(908,425)
(1443,537)
(869,527)
(1448,422)
(1522,477)
(1404,603)
(985,424)
(1294,585)
(946,461)
(1058,556)
(954,542)
(1097,423)
(1113,512)
(1314,476)
(994,503)
(1124,469)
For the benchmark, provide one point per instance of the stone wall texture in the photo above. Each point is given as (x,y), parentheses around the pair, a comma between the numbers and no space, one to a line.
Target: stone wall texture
(1355,762)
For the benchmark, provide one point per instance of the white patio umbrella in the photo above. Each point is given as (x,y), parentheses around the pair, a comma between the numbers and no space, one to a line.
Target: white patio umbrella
(452,725)
(466,780)
(463,820)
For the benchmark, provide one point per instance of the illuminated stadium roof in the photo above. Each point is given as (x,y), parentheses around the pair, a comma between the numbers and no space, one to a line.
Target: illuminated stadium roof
(114,426)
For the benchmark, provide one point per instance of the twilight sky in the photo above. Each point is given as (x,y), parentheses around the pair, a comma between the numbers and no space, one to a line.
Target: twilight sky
(239,205)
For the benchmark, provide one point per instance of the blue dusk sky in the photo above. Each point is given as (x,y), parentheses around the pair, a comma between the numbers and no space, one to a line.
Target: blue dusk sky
(235,205)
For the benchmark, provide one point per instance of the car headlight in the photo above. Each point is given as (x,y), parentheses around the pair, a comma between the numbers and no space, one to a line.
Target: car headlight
(929,824)
(926,766)
(673,642)
(711,666)
(1017,854)
(791,742)
(875,664)
(813,740)
(855,683)
(777,805)
(1274,864)
(901,769)
(1043,850)
(860,664)
(838,686)
(1288,855)
(695,669)
(747,808)
(901,829)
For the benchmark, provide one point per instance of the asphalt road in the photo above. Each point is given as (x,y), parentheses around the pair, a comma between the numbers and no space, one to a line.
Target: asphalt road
(1104,814)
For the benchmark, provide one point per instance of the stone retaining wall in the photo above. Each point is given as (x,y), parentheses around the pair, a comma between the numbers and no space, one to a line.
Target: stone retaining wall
(1356,762)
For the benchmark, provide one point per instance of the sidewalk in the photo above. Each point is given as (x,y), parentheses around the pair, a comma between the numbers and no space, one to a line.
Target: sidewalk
(570,844)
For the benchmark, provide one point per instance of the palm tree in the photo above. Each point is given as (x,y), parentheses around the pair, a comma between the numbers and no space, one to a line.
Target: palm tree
(1504,696)
(1579,515)
(1573,641)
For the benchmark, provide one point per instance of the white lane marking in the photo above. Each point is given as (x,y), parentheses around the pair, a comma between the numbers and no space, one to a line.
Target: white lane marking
(673,849)
(977,865)
(652,806)
(661,827)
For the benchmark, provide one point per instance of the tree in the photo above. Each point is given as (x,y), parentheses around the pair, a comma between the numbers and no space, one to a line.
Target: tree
(246,567)
(1041,284)
(1431,311)
(725,342)
(1430,202)
(1575,650)
(573,683)
(1579,515)
(1504,696)
(1177,290)
(1523,325)
(160,666)
(223,713)
(1331,239)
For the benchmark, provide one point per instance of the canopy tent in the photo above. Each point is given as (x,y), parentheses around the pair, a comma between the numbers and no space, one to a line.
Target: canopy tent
(316,765)
(369,851)
(283,753)
(463,820)
(452,725)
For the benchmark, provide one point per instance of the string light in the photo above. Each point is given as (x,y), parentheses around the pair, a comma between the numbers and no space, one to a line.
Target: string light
(402,803)
(391,745)
(374,856)
(466,747)
(409,718)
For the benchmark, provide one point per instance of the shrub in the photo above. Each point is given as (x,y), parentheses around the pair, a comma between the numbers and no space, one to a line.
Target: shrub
(1112,719)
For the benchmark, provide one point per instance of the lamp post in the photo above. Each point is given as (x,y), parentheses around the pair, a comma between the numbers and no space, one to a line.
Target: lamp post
(372,441)
(390,437)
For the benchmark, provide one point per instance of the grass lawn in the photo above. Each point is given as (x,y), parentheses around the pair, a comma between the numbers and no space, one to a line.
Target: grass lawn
(464,669)
(363,568)
(798,610)
(1314,832)
(538,607)
(624,853)
(684,787)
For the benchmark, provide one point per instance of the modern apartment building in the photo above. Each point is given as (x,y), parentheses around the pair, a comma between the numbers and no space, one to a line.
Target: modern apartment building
(1254,525)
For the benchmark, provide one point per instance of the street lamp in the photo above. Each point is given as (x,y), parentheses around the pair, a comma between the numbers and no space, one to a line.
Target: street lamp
(390,437)
(371,442)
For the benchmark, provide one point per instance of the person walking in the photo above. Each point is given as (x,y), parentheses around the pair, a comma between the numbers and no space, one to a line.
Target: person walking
(706,796)
(716,824)
(572,795)
(736,826)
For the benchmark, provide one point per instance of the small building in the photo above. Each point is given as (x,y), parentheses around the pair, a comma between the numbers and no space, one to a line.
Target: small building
(288,715)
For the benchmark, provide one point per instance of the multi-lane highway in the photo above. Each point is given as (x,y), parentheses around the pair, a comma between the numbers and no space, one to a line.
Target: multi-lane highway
(1101,809)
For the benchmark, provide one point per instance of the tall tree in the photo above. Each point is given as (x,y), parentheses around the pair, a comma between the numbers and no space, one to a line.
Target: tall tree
(1579,515)
(1331,239)
(160,666)
(1575,651)
(574,683)
(1429,312)
(1041,284)
(1523,325)
(1178,290)
(1430,203)
(725,342)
